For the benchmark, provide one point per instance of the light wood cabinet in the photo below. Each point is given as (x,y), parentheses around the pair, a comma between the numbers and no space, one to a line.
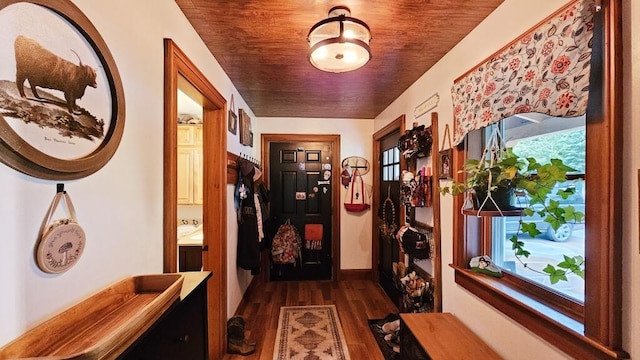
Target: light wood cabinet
(189,135)
(190,165)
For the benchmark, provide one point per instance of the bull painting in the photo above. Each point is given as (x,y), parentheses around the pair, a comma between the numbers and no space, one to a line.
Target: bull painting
(45,69)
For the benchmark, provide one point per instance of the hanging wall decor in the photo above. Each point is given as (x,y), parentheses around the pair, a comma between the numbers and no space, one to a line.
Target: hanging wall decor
(246,136)
(426,106)
(445,155)
(232,121)
(62,102)
(61,242)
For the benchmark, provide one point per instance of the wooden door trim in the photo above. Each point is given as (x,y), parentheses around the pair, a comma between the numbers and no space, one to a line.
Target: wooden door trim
(334,140)
(396,125)
(215,190)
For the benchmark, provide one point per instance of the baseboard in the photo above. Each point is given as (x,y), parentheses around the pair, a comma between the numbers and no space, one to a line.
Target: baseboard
(356,274)
(253,285)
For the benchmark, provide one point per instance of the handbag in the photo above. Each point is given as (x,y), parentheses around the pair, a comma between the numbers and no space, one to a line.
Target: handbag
(61,242)
(357,199)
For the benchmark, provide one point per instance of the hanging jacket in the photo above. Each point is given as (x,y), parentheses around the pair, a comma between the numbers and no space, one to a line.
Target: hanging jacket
(248,250)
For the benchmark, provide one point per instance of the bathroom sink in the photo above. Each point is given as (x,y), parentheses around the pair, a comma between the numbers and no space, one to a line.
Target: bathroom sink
(193,239)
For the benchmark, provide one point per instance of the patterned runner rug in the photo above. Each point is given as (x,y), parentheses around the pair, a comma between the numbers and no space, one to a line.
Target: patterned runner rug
(310,333)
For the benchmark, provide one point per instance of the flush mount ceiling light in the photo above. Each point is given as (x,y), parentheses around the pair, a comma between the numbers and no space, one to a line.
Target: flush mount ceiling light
(339,43)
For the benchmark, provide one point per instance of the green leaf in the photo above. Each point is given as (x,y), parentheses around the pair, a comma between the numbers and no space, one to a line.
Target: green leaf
(555,275)
(531,229)
(561,165)
(553,222)
(565,193)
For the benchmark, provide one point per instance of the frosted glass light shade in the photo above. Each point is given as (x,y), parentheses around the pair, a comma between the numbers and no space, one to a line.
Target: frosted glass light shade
(339,43)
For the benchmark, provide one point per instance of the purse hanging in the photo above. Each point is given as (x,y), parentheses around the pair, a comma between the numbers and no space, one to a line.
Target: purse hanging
(61,242)
(357,198)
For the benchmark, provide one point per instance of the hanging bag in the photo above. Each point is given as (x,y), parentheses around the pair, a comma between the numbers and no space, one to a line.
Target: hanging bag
(357,199)
(61,242)
(286,245)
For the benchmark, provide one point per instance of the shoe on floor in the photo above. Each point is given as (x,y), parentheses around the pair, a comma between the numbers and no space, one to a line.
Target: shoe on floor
(240,347)
(391,326)
(389,318)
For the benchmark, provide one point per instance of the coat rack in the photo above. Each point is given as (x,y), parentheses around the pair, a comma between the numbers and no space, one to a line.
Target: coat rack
(234,161)
(251,159)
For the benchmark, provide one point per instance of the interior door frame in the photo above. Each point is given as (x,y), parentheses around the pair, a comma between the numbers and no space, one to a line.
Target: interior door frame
(399,124)
(334,140)
(214,210)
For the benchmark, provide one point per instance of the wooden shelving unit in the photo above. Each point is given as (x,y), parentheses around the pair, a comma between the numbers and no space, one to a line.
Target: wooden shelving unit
(433,223)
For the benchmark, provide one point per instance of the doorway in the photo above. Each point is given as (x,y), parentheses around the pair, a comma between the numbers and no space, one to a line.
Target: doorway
(302,173)
(214,214)
(386,180)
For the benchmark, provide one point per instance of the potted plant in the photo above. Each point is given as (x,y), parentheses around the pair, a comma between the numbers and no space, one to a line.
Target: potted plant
(490,184)
(496,178)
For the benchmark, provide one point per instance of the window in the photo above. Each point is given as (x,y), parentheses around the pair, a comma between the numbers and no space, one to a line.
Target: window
(391,164)
(543,138)
(591,328)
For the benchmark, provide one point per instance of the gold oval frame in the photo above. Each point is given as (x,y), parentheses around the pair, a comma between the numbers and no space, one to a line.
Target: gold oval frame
(20,155)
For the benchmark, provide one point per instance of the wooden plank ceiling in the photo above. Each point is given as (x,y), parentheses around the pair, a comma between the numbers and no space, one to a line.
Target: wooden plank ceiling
(262,47)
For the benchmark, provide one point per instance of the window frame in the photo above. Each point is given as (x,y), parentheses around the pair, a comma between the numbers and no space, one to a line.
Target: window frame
(595,332)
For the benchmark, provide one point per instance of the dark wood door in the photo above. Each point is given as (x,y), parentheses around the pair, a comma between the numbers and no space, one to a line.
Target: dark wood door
(389,160)
(300,181)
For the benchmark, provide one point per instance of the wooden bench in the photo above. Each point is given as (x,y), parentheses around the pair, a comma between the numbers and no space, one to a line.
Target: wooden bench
(440,336)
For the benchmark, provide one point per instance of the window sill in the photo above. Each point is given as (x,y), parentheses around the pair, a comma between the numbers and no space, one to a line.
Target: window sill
(556,328)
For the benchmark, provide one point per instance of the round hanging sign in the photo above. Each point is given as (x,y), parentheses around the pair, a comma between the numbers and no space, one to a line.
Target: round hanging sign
(60,247)
(61,241)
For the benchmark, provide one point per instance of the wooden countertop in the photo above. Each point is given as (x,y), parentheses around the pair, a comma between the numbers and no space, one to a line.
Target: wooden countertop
(192,279)
(443,336)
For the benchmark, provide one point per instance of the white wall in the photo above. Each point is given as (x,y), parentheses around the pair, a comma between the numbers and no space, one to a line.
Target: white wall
(120,206)
(355,140)
(511,19)
(631,235)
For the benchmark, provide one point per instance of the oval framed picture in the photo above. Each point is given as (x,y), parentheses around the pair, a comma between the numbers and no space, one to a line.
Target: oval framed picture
(61,99)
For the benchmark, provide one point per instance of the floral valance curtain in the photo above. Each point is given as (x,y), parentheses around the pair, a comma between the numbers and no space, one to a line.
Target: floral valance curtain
(546,70)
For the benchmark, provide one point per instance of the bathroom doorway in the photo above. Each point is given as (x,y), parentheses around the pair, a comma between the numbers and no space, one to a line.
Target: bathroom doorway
(178,68)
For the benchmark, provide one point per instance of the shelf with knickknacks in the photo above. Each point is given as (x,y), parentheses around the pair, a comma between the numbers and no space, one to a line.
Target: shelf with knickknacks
(419,237)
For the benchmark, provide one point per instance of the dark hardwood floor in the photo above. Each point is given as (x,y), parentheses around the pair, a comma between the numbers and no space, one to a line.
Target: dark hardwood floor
(356,302)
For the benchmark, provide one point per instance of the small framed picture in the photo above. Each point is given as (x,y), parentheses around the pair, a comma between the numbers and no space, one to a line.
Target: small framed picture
(232,118)
(246,135)
(233,122)
(444,163)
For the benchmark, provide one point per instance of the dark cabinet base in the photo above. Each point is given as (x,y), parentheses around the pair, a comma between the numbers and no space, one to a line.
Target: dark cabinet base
(181,333)
(190,258)
(409,346)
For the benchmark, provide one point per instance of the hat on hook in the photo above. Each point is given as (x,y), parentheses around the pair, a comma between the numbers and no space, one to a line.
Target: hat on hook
(257,176)
(246,167)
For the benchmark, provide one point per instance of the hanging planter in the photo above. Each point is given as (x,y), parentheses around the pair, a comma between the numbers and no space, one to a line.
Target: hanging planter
(496,200)
(489,187)
(491,179)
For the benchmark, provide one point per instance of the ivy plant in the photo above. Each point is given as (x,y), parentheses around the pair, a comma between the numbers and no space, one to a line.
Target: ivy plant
(535,182)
